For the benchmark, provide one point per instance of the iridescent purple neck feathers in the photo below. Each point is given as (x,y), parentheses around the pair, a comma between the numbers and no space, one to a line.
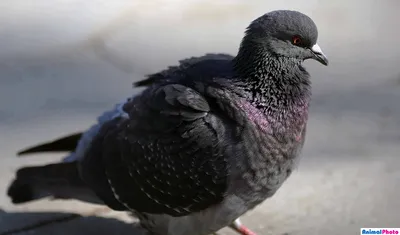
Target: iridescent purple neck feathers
(277,90)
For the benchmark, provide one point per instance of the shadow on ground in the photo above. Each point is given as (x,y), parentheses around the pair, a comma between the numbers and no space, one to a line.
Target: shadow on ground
(66,223)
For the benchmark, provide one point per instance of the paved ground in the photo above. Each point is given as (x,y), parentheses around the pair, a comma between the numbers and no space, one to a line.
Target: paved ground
(348,177)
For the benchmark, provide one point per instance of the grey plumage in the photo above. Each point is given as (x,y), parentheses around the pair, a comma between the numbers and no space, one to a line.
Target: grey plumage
(209,139)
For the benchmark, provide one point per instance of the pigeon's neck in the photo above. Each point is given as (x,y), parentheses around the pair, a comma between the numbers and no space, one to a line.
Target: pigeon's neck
(275,85)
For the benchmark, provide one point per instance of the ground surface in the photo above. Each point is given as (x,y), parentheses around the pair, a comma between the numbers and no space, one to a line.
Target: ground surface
(63,64)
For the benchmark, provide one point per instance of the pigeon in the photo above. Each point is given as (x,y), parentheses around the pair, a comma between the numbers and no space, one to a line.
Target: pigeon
(203,143)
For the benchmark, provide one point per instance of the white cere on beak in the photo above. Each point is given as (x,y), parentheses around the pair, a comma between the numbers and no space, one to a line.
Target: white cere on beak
(316,49)
(319,55)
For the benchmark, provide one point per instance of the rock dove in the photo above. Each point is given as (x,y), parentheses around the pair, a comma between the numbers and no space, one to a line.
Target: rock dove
(203,143)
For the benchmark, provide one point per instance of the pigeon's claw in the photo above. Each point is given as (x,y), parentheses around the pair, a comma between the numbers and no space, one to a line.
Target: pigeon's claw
(240,228)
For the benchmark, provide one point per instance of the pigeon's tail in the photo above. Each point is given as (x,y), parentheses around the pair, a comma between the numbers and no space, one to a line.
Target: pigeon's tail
(64,144)
(60,181)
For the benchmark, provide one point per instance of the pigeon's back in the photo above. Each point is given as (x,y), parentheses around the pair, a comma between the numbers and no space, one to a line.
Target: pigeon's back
(207,66)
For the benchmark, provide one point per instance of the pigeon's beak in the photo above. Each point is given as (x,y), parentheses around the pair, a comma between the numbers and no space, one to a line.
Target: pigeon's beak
(319,55)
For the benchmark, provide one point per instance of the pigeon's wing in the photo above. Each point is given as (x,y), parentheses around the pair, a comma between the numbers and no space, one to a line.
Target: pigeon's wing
(70,143)
(173,71)
(64,144)
(166,157)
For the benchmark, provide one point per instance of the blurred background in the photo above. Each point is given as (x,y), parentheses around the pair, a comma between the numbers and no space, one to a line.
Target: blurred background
(64,62)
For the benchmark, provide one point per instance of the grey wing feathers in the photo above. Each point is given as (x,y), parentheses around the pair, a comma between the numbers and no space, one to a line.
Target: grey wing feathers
(70,143)
(183,101)
(165,158)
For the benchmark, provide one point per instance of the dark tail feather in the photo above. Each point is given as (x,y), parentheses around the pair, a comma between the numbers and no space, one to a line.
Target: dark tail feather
(146,82)
(60,180)
(65,144)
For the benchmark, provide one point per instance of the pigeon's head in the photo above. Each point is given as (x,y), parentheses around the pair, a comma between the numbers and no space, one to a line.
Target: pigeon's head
(285,33)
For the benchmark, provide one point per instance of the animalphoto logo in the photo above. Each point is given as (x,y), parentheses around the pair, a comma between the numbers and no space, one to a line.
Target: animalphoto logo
(379,231)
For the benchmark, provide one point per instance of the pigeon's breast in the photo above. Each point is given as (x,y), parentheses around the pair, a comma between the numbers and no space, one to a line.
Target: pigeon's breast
(289,125)
(269,148)
(255,116)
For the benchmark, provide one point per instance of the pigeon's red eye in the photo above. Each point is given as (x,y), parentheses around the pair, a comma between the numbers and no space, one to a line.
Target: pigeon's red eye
(296,40)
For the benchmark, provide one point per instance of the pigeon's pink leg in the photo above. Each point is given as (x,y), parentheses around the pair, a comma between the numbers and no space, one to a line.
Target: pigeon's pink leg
(240,228)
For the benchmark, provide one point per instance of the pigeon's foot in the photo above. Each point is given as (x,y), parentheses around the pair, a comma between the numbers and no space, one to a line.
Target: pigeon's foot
(240,228)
